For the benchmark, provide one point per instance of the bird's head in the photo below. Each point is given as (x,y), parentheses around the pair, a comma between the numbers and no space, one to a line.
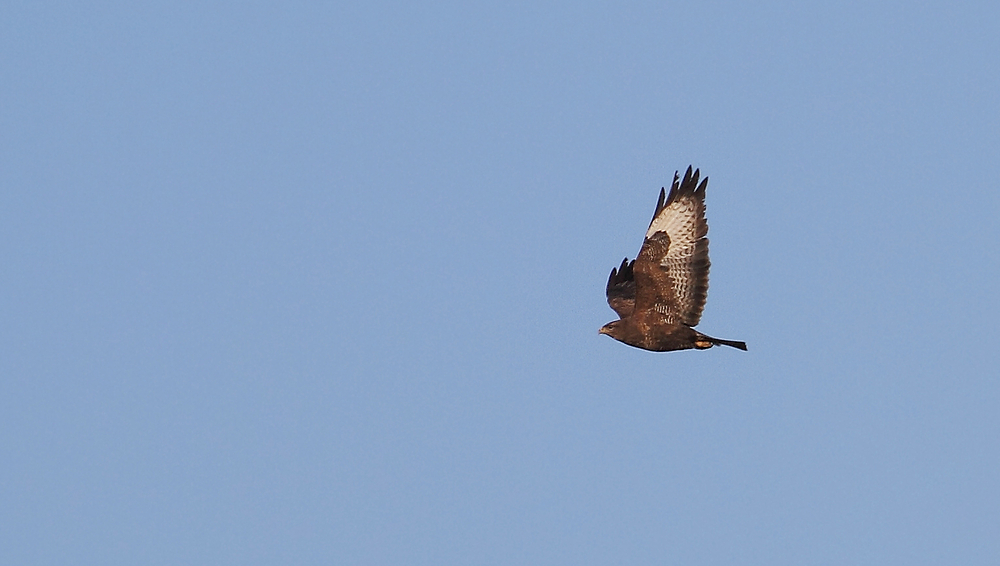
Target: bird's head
(611,329)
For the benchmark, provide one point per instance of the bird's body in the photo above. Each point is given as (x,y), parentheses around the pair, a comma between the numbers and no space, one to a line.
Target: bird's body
(660,295)
(651,332)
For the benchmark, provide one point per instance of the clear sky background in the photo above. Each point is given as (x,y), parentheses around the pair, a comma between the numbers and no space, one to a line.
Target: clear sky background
(308,283)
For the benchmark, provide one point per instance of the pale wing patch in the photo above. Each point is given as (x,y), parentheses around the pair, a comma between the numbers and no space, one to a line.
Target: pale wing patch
(686,260)
(689,279)
(680,220)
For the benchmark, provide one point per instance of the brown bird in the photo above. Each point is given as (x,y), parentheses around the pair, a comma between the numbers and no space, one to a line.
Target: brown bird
(659,296)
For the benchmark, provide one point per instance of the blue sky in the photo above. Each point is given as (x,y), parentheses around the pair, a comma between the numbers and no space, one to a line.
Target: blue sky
(295,283)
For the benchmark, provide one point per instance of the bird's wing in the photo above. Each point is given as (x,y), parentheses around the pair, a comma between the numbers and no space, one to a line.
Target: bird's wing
(674,255)
(653,288)
(621,289)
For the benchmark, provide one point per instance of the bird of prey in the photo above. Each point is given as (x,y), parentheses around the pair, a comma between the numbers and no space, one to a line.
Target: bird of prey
(659,296)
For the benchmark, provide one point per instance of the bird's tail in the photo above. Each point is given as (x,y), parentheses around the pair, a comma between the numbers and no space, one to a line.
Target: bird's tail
(720,342)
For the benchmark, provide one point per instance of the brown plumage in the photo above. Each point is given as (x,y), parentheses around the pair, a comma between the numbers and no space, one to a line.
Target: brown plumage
(659,296)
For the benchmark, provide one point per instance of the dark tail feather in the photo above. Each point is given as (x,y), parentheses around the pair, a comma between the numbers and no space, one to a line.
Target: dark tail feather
(731,343)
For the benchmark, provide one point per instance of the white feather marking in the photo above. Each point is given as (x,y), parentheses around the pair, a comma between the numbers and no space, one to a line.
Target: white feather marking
(680,222)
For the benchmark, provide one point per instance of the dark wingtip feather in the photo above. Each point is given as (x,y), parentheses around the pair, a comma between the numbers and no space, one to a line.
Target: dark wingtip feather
(660,203)
(625,271)
(620,274)
(689,185)
(667,198)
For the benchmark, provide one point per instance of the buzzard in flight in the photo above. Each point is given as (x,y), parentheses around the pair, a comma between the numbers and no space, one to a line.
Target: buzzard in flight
(659,295)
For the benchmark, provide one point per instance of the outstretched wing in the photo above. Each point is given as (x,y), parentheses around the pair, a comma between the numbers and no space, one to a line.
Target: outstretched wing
(671,271)
(621,289)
